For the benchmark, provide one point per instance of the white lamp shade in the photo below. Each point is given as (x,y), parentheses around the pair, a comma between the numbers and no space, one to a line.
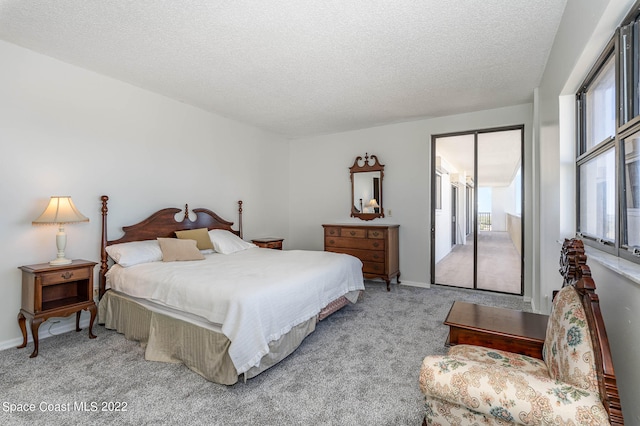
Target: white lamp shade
(373,203)
(60,210)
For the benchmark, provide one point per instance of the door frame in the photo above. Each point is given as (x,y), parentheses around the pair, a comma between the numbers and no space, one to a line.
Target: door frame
(432,261)
(454,215)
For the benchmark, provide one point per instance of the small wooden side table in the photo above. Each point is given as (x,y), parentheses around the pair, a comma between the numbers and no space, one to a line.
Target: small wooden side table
(497,328)
(55,291)
(269,242)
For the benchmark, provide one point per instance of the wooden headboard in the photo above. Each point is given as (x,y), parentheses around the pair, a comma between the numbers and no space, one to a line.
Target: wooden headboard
(161,224)
(576,272)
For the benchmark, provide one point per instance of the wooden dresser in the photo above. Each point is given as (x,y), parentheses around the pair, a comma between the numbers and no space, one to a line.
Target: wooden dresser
(375,245)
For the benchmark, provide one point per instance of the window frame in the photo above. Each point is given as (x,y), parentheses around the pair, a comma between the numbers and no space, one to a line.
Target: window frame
(627,123)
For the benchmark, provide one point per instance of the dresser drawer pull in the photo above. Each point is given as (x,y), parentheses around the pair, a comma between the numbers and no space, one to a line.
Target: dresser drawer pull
(352,232)
(67,275)
(376,244)
(375,256)
(375,233)
(332,231)
(332,241)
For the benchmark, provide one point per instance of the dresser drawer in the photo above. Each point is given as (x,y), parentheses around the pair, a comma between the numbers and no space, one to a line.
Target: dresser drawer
(354,243)
(376,233)
(345,232)
(332,231)
(59,277)
(353,233)
(363,255)
(372,268)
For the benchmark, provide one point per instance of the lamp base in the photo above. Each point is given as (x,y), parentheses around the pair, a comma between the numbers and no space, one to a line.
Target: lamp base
(60,261)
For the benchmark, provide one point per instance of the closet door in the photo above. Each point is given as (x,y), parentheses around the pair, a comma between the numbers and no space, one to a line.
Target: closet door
(453,253)
(476,199)
(499,239)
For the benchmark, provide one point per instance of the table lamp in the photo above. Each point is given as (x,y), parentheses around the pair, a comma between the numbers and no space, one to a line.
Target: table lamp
(373,205)
(60,210)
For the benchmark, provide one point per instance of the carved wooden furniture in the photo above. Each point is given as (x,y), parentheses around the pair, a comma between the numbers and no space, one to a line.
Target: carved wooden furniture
(366,187)
(564,333)
(375,245)
(55,291)
(573,261)
(198,343)
(506,329)
(160,224)
(270,243)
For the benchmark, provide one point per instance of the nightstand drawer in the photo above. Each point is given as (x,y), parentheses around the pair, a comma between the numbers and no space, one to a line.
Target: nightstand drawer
(59,277)
(269,243)
(273,245)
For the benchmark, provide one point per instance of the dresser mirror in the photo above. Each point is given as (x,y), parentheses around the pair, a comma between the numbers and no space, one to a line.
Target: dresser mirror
(366,187)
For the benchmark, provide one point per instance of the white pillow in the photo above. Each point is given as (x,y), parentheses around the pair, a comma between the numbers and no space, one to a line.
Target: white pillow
(133,253)
(226,242)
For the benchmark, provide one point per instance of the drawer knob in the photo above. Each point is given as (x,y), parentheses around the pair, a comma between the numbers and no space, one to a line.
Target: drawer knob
(353,232)
(375,233)
(332,241)
(376,244)
(67,275)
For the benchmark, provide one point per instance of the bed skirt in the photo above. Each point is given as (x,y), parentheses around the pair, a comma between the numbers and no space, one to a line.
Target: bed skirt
(168,339)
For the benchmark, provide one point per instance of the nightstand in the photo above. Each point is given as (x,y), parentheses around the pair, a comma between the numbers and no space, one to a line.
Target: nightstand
(55,291)
(270,242)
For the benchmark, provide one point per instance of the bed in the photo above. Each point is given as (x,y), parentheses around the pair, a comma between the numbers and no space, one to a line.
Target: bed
(226,311)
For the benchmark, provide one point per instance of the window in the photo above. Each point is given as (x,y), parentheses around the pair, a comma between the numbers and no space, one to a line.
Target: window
(608,160)
(597,196)
(631,206)
(601,106)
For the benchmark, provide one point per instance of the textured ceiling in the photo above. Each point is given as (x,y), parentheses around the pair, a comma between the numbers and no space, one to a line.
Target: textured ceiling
(300,68)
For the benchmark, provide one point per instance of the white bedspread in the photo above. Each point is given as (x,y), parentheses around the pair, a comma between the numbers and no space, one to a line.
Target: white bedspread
(255,295)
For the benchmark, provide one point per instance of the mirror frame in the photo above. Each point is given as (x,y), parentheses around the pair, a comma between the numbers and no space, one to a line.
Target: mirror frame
(370,163)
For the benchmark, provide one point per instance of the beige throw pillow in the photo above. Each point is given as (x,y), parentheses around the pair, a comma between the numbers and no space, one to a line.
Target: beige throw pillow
(201,235)
(174,249)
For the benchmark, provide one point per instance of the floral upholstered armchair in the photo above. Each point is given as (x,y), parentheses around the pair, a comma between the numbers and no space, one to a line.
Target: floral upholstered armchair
(573,385)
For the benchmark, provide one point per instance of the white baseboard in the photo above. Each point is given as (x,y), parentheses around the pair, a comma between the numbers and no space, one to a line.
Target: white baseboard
(51,327)
(415,284)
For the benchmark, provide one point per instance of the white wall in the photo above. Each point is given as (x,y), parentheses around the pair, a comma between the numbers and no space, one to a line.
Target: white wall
(500,202)
(68,131)
(319,170)
(586,27)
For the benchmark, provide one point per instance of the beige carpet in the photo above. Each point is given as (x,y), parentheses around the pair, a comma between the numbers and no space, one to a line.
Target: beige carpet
(359,367)
(499,264)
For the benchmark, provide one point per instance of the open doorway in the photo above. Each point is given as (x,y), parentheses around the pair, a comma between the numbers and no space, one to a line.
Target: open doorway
(476,234)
